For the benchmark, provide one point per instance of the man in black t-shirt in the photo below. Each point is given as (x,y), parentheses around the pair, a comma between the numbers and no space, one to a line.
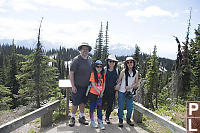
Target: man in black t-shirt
(80,71)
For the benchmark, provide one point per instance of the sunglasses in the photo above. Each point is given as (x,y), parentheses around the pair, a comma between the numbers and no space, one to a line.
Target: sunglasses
(111,61)
(85,49)
(129,62)
(98,66)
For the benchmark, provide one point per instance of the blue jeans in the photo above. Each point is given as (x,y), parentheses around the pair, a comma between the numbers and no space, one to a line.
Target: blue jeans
(129,105)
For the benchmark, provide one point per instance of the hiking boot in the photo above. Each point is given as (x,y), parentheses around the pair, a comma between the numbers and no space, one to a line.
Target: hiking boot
(120,123)
(72,122)
(107,120)
(93,124)
(102,127)
(82,120)
(129,122)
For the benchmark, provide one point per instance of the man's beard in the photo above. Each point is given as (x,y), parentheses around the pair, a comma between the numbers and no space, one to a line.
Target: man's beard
(85,54)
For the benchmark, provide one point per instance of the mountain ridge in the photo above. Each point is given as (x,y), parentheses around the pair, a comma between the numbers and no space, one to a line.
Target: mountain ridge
(117,49)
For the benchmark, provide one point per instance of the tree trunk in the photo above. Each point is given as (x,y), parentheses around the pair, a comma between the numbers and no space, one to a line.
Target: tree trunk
(156,97)
(199,92)
(151,100)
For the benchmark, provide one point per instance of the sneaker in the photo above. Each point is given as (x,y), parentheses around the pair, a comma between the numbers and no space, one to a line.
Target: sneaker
(129,122)
(93,124)
(82,120)
(107,120)
(102,127)
(72,122)
(120,123)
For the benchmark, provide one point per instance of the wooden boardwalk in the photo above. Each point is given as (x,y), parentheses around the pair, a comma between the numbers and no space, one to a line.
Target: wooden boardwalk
(79,128)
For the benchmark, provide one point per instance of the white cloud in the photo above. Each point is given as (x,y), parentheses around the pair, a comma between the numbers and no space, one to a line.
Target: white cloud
(167,48)
(20,5)
(151,11)
(3,10)
(72,33)
(109,3)
(2,3)
(138,2)
(18,29)
(70,4)
(2,6)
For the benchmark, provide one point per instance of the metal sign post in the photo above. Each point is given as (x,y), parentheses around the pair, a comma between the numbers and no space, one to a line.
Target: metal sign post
(65,83)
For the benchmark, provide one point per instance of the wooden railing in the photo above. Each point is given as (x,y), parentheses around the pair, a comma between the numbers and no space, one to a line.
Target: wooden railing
(157,118)
(139,110)
(44,112)
(46,115)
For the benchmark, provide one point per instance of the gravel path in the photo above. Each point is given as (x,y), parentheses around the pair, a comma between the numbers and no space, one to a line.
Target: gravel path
(110,128)
(34,126)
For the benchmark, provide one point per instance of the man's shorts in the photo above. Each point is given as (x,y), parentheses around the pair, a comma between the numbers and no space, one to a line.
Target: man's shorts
(80,96)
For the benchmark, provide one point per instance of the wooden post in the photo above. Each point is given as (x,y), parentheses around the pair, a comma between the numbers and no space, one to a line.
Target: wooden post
(137,116)
(18,122)
(46,119)
(67,102)
(65,83)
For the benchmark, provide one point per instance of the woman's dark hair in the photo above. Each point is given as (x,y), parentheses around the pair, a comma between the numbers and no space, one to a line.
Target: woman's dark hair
(127,73)
(95,73)
(107,65)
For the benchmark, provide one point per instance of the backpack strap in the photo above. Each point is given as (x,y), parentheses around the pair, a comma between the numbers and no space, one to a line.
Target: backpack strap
(117,70)
(88,89)
(105,69)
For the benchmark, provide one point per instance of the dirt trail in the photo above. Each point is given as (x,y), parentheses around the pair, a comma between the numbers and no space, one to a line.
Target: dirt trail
(110,128)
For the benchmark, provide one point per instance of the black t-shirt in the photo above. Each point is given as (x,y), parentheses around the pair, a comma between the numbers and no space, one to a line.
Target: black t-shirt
(82,69)
(111,81)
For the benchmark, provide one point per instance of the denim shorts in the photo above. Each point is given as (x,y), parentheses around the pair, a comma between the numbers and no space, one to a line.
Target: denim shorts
(80,96)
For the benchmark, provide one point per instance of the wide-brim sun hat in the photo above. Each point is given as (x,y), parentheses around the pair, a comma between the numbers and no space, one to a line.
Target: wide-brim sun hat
(112,57)
(130,59)
(84,44)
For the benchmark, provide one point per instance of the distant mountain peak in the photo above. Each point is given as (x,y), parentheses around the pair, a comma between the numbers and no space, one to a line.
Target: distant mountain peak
(117,49)
(121,49)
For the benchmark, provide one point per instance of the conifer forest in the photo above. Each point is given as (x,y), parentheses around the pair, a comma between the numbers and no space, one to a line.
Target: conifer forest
(30,76)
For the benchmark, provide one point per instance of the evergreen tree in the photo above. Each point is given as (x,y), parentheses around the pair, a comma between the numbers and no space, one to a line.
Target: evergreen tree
(71,53)
(136,56)
(4,98)
(105,47)
(67,71)
(144,66)
(100,43)
(94,57)
(152,79)
(1,59)
(185,64)
(60,63)
(195,65)
(12,81)
(3,69)
(37,78)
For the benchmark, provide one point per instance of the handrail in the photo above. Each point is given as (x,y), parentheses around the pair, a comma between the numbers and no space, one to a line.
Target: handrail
(44,112)
(159,119)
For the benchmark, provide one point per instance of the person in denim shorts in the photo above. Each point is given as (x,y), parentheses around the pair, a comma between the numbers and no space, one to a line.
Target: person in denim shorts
(80,70)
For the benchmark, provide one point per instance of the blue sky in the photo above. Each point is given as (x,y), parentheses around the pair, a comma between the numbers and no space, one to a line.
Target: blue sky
(70,22)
